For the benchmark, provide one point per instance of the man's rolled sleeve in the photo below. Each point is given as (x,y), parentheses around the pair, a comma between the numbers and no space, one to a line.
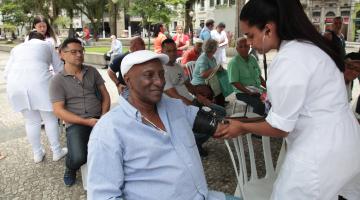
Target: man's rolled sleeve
(98,79)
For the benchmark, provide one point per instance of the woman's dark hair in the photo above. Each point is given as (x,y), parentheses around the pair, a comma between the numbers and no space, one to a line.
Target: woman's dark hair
(36,35)
(157,29)
(167,41)
(49,31)
(292,23)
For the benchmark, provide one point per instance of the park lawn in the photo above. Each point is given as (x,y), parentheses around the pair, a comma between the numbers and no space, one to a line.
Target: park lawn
(101,49)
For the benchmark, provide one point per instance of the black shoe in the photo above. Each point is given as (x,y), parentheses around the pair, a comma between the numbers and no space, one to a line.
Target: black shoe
(106,66)
(203,153)
(69,177)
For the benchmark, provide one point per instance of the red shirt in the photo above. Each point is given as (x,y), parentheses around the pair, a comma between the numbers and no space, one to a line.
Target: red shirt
(182,42)
(189,55)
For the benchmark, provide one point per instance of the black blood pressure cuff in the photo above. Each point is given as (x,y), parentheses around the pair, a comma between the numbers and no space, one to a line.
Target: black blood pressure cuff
(206,122)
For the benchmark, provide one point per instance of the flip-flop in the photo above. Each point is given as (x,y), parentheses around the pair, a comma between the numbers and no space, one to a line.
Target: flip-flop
(2,156)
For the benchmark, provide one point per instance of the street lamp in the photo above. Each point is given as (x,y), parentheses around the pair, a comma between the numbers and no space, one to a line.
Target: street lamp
(191,14)
(29,15)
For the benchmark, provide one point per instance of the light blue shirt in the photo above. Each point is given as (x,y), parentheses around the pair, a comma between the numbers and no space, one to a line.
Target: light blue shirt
(202,64)
(116,47)
(130,160)
(205,34)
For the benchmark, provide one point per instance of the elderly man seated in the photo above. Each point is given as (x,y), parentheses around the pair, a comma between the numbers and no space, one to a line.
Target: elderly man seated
(116,49)
(145,147)
(245,77)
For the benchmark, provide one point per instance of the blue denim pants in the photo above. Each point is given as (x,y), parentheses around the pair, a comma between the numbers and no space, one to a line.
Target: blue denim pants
(77,137)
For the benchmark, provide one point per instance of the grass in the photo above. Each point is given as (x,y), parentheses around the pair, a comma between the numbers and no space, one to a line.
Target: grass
(101,49)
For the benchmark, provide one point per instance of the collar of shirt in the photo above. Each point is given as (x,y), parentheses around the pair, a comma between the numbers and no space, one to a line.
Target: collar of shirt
(83,71)
(135,113)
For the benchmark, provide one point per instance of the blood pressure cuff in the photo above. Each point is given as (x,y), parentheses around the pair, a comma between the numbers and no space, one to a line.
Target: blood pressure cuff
(206,122)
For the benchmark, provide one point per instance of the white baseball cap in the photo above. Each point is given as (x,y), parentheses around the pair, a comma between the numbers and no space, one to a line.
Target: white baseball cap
(139,57)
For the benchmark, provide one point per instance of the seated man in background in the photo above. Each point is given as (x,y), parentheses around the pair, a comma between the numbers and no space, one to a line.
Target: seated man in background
(352,71)
(179,87)
(194,53)
(145,147)
(116,49)
(245,77)
(80,98)
(136,44)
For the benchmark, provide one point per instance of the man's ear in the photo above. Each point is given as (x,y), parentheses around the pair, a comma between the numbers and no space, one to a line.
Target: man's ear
(127,80)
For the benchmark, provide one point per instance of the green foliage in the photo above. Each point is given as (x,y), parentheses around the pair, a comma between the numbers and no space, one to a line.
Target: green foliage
(13,14)
(62,21)
(153,11)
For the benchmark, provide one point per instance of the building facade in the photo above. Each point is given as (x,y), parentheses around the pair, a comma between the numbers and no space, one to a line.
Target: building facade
(322,12)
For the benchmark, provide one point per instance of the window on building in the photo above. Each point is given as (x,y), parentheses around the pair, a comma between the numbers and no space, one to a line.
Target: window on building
(232,2)
(330,14)
(218,2)
(202,4)
(358,14)
(211,3)
(316,14)
(226,2)
(345,13)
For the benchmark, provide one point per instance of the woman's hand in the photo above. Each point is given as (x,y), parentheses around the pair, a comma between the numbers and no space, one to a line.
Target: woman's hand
(233,129)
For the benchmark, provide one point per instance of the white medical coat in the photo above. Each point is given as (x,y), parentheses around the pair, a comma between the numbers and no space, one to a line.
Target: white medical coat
(27,75)
(221,38)
(309,100)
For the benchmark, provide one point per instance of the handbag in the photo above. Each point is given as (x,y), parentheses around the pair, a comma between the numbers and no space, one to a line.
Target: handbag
(214,83)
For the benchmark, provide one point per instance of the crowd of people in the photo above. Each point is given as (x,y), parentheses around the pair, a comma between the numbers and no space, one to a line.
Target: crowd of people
(172,100)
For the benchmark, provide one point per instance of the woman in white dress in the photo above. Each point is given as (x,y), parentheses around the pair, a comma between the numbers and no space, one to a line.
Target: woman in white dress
(306,89)
(42,25)
(220,36)
(27,75)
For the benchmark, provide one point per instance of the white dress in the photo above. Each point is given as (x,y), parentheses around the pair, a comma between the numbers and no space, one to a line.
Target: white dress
(221,38)
(27,75)
(309,100)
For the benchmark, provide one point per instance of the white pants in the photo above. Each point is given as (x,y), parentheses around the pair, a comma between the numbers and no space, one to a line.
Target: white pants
(33,120)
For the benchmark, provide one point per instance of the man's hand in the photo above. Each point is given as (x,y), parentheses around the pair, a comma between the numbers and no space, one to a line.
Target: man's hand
(231,130)
(203,100)
(91,121)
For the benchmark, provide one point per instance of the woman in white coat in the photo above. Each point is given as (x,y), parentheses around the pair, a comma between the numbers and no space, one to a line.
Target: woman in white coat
(27,75)
(306,89)
(220,36)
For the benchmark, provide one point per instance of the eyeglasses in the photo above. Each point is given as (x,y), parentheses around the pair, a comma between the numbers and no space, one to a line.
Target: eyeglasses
(74,51)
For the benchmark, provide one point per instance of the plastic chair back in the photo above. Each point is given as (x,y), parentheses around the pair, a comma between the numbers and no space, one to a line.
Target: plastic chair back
(190,66)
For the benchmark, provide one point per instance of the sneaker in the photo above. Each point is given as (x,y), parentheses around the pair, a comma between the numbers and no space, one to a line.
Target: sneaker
(69,177)
(39,157)
(61,154)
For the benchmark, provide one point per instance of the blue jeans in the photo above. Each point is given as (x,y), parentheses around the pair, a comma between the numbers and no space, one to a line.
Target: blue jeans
(253,101)
(77,137)
(230,197)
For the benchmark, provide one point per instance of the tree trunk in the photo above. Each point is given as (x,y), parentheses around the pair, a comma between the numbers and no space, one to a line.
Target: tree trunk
(188,21)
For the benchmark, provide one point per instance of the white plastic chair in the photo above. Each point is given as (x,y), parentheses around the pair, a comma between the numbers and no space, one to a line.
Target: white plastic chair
(190,66)
(253,188)
(84,172)
(178,60)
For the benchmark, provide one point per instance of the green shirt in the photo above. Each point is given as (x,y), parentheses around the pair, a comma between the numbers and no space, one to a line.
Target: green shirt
(245,72)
